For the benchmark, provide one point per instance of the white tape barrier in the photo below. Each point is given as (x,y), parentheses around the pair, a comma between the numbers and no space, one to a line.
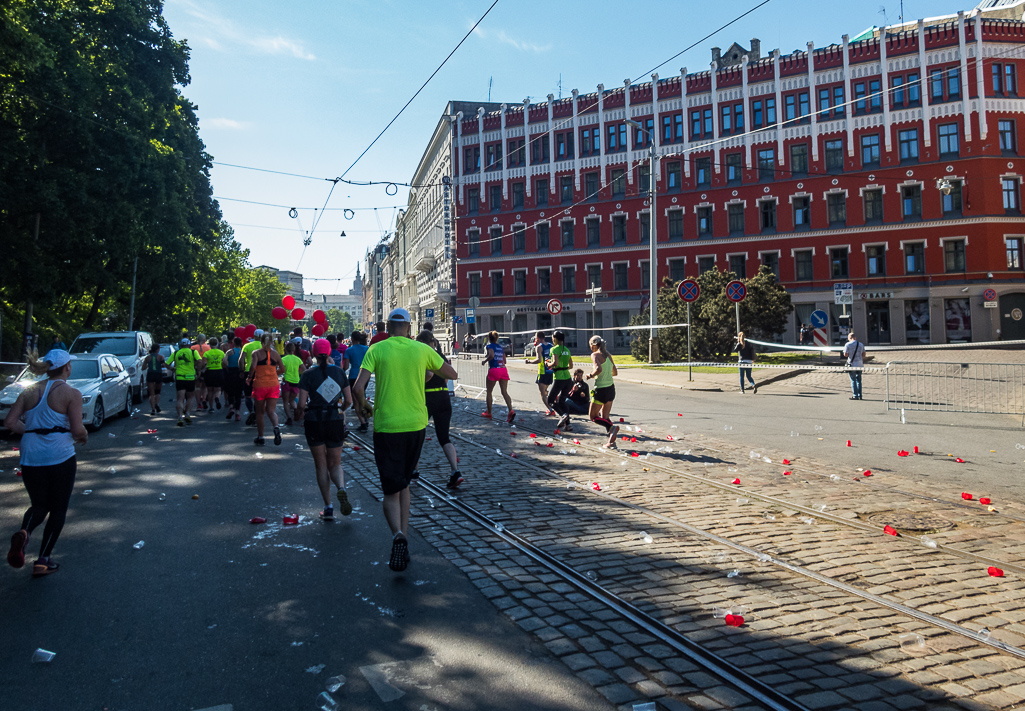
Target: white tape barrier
(755,366)
(868,348)
(574,328)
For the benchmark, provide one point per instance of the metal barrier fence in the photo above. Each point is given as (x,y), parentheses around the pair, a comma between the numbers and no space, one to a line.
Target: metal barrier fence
(471,375)
(983,388)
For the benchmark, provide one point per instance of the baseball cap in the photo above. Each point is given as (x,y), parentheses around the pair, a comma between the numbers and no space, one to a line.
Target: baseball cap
(185,341)
(259,332)
(296,340)
(322,347)
(58,358)
(399,316)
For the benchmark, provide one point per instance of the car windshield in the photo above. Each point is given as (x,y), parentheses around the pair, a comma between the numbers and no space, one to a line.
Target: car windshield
(165,350)
(84,370)
(118,345)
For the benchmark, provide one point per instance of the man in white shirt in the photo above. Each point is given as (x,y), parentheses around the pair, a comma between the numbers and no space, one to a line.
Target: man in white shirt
(855,351)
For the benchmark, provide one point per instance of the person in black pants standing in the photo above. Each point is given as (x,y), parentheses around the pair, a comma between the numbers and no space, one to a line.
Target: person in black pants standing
(746,356)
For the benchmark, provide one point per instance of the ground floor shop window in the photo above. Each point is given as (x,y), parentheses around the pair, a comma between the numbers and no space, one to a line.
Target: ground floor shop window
(916,321)
(958,315)
(569,322)
(620,319)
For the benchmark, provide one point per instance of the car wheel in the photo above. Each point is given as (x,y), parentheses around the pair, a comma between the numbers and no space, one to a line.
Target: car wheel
(98,416)
(137,393)
(128,404)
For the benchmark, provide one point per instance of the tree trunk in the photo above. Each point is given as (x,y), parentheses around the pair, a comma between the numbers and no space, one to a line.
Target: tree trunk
(88,322)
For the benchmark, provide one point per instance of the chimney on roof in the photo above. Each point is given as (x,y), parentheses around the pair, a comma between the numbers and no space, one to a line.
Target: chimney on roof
(717,56)
(756,50)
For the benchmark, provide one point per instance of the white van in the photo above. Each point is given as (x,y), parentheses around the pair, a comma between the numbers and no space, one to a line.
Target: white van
(130,347)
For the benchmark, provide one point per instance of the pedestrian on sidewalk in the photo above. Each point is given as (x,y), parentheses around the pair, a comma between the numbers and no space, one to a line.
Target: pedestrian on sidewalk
(604,390)
(542,349)
(439,408)
(560,360)
(855,352)
(53,424)
(494,358)
(320,389)
(400,367)
(746,356)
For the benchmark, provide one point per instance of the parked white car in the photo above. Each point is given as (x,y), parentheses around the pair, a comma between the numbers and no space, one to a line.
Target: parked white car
(103,381)
(130,347)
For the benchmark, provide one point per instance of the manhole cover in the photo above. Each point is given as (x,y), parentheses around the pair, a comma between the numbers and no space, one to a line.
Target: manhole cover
(908,521)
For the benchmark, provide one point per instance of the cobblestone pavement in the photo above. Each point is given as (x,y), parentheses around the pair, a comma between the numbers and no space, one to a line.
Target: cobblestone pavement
(821,643)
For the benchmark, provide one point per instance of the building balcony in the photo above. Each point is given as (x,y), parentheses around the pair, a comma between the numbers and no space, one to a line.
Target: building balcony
(424,262)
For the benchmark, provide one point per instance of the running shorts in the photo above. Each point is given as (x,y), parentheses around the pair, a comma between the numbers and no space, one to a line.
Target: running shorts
(152,377)
(496,374)
(266,393)
(214,378)
(292,388)
(329,433)
(603,395)
(188,386)
(397,454)
(545,379)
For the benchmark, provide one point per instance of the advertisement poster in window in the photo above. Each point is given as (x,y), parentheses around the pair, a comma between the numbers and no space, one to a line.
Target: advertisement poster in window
(958,314)
(916,321)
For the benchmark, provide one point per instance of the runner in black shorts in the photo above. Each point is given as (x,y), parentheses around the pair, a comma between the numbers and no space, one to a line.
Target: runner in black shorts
(439,408)
(154,377)
(320,389)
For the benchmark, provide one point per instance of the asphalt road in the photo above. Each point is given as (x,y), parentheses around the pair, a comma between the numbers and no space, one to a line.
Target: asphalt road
(213,612)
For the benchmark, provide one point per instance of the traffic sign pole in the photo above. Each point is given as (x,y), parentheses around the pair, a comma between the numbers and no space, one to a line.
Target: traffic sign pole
(736,305)
(690,370)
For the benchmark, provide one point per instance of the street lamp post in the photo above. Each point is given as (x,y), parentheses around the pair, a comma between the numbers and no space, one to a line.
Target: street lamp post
(653,356)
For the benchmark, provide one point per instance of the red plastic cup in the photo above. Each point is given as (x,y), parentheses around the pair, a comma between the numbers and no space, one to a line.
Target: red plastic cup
(786,461)
(595,486)
(513,434)
(867,472)
(916,449)
(679,414)
(356,448)
(576,441)
(670,438)
(513,455)
(556,431)
(966,496)
(985,501)
(633,439)
(890,530)
(533,436)
(787,473)
(735,481)
(290,519)
(257,519)
(734,620)
(848,443)
(902,453)
(634,454)
(621,419)
(995,572)
(959,460)
(550,444)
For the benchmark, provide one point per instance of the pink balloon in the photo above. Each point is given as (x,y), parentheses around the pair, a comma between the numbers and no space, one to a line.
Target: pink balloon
(298,314)
(278,312)
(250,331)
(240,332)
(319,316)
(288,302)
(318,330)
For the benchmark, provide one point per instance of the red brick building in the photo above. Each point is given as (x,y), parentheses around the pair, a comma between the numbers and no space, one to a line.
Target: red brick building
(890,161)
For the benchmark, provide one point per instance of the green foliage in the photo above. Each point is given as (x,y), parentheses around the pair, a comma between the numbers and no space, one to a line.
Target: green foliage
(341,322)
(763,315)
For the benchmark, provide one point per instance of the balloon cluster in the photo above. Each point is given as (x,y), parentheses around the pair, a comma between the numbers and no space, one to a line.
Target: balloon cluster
(245,332)
(288,310)
(321,325)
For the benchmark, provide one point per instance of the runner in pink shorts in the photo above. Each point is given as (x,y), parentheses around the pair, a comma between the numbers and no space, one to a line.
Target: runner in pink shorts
(494,357)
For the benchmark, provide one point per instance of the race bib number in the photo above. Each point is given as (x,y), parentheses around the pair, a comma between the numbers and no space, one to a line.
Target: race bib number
(329,390)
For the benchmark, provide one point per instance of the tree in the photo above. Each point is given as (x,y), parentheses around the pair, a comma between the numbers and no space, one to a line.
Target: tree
(763,315)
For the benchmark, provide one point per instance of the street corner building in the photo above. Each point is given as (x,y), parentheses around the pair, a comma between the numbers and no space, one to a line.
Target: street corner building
(889,161)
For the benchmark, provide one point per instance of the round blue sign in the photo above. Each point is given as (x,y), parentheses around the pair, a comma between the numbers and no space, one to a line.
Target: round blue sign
(819,318)
(689,290)
(736,291)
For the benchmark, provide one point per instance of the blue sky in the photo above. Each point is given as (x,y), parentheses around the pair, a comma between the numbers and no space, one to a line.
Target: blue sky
(304,88)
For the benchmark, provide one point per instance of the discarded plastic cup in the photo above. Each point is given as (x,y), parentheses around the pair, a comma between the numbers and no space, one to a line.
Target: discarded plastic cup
(646,537)
(770,517)
(727,428)
(984,633)
(290,519)
(335,683)
(821,508)
(928,542)
(87,492)
(298,446)
(162,497)
(808,520)
(112,470)
(139,545)
(591,575)
(720,612)
(818,428)
(430,501)
(743,501)
(733,574)
(111,435)
(646,706)
(766,460)
(326,702)
(763,557)
(912,643)
(795,434)
(42,655)
(834,477)
(499,527)
(259,455)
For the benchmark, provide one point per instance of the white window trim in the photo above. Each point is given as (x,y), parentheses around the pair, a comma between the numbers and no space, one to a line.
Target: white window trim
(737,254)
(638,214)
(564,220)
(592,218)
(885,246)
(543,222)
(642,262)
(834,191)
(492,228)
(777,252)
(675,208)
(734,201)
(1008,238)
(592,264)
(492,272)
(517,226)
(923,242)
(911,183)
(1010,176)
(767,198)
(801,195)
(673,259)
(954,237)
(537,270)
(619,213)
(830,248)
(794,250)
(698,258)
(873,186)
(704,204)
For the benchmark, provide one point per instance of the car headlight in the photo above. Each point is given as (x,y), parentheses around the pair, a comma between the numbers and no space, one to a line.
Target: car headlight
(131,370)
(86,399)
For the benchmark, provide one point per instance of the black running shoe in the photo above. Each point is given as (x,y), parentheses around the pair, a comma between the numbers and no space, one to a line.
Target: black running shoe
(251,420)
(328,514)
(343,503)
(364,427)
(455,480)
(158,409)
(230,415)
(258,441)
(277,437)
(399,554)
(218,403)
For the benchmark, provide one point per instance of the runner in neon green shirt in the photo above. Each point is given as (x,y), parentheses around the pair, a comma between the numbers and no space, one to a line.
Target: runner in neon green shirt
(294,367)
(560,360)
(184,361)
(213,373)
(247,383)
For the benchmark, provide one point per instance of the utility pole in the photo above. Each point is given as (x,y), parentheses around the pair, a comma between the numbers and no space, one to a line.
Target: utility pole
(131,305)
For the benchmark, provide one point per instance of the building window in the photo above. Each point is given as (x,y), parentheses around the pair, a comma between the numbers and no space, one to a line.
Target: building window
(870,150)
(735,214)
(496,283)
(517,153)
(836,208)
(517,190)
(567,235)
(494,157)
(803,105)
(645,221)
(953,255)
(1009,188)
(566,189)
(540,150)
(734,167)
(474,242)
(897,92)
(645,275)
(564,146)
(936,85)
(875,95)
(802,212)
(695,125)
(838,262)
(542,236)
(569,280)
(473,200)
(873,205)
(911,196)
(766,164)
(544,280)
(667,129)
(789,108)
(495,197)
(770,112)
(914,90)
(838,102)
(593,233)
(953,83)
(824,104)
(738,265)
(520,282)
(1010,79)
(592,186)
(799,159)
(520,240)
(859,97)
(619,277)
(725,124)
(495,240)
(704,220)
(644,179)
(834,156)
(948,139)
(618,182)
(914,258)
(678,127)
(908,144)
(471,162)
(952,201)
(876,256)
(738,118)
(475,285)
(703,170)
(593,275)
(706,119)
(675,225)
(767,214)
(756,114)
(771,260)
(541,192)
(705,264)
(611,139)
(674,175)
(619,229)
(677,269)
(1008,143)
(803,265)
(1014,257)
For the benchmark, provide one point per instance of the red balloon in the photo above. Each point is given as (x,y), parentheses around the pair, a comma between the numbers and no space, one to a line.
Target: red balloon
(250,331)
(278,312)
(318,330)
(288,302)
(319,316)
(298,314)
(240,332)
